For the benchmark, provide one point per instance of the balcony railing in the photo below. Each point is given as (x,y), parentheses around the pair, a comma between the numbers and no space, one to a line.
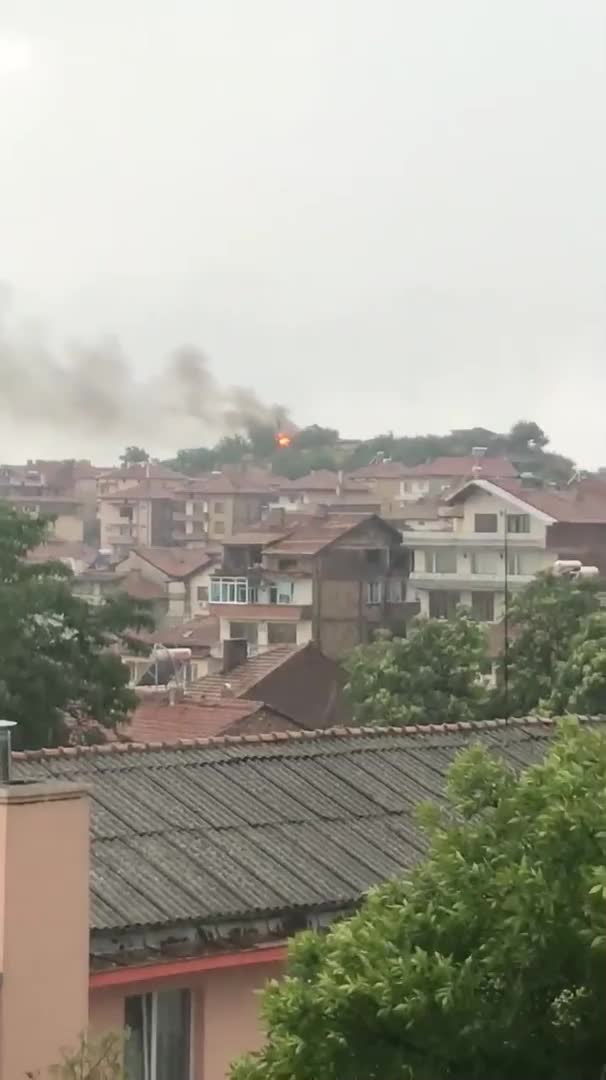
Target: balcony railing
(425,579)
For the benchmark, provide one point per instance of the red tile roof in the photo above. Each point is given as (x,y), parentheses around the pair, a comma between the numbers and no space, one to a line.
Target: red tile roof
(177,562)
(203,630)
(140,588)
(317,532)
(233,480)
(383,470)
(147,489)
(157,721)
(325,480)
(246,676)
(492,468)
(562,504)
(150,471)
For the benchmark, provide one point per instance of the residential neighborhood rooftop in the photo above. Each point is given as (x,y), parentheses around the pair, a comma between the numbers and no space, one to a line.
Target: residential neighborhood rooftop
(178,562)
(232,829)
(463,466)
(156,720)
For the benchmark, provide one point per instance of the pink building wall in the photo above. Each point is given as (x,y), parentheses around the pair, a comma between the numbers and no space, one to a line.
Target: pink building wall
(44,931)
(225,1008)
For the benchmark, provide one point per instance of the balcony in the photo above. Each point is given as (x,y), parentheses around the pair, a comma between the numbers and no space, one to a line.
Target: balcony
(436,538)
(179,534)
(424,579)
(198,515)
(123,533)
(247,589)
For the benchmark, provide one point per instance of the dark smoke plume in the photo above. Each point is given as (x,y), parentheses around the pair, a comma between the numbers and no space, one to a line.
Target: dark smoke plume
(95,390)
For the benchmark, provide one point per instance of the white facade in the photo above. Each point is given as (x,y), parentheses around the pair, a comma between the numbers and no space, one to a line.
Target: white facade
(498,541)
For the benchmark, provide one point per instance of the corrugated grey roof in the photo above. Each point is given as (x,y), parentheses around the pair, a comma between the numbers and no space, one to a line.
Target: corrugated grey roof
(236,828)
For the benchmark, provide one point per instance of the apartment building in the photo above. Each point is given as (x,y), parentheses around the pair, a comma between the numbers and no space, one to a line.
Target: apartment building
(221,503)
(503,535)
(137,516)
(328,577)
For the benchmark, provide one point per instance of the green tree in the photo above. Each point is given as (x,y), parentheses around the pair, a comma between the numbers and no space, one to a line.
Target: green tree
(487,962)
(432,676)
(543,620)
(134,455)
(524,433)
(580,680)
(57,658)
(315,436)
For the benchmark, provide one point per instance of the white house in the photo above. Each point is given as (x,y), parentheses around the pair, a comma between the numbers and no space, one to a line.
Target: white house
(505,535)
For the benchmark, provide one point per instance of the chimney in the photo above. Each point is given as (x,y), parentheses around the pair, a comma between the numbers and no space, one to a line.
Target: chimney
(339,483)
(44,923)
(235,652)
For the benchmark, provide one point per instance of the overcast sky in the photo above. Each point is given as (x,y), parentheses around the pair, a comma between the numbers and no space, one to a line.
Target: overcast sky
(383,213)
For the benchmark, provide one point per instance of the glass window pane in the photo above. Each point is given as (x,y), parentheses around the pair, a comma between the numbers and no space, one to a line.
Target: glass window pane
(172,1035)
(485,523)
(137,1049)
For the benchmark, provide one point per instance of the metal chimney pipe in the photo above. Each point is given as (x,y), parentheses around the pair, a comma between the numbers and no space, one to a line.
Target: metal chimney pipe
(5,750)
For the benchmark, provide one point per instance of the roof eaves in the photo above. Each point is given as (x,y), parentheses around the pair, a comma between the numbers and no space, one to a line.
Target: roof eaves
(284,736)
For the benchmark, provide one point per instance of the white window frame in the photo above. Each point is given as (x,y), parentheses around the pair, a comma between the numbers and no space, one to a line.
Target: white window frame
(229,590)
(514,564)
(525,518)
(374,592)
(150,1060)
(431,560)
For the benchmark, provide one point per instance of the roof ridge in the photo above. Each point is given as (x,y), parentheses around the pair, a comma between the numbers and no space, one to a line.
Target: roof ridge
(285,736)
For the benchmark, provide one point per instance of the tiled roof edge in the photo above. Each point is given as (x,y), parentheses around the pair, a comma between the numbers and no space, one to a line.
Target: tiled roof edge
(281,737)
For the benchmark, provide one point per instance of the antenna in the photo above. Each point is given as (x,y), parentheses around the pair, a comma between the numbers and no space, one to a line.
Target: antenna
(5,750)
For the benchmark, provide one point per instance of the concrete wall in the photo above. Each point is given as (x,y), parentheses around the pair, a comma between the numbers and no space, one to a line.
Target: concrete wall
(225,1014)
(44,935)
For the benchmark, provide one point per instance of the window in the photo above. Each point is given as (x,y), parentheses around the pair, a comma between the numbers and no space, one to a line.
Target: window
(443,604)
(202,594)
(519,563)
(219,527)
(483,562)
(482,606)
(247,630)
(374,592)
(218,508)
(485,523)
(126,512)
(373,556)
(441,561)
(229,591)
(397,591)
(518,523)
(281,593)
(281,633)
(158,1045)
(287,564)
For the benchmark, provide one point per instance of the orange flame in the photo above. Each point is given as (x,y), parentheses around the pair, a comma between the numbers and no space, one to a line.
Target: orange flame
(283,440)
